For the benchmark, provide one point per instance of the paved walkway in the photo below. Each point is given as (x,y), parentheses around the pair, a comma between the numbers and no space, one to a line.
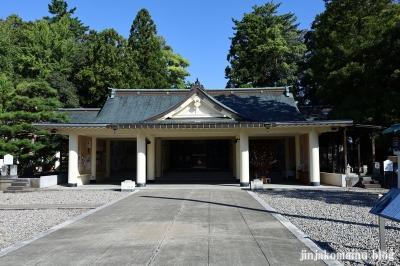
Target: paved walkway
(169,227)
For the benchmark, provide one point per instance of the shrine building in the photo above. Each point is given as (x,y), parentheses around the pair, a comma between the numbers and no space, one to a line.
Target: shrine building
(145,134)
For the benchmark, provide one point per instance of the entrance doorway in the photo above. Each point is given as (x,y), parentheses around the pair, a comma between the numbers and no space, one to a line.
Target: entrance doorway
(199,154)
(123,157)
(197,162)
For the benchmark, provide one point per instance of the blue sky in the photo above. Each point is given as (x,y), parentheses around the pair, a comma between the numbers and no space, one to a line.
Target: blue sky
(198,30)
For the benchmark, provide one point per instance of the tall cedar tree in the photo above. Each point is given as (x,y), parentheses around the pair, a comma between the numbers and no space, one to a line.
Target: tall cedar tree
(28,103)
(147,53)
(354,48)
(265,49)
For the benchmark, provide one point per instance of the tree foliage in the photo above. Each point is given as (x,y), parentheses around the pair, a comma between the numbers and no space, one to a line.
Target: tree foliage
(111,66)
(57,62)
(147,53)
(46,48)
(11,38)
(28,103)
(59,8)
(354,58)
(176,66)
(265,49)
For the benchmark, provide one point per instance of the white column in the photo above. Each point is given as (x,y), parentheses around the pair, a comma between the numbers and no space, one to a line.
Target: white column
(297,152)
(244,159)
(73,161)
(314,158)
(237,158)
(108,158)
(151,159)
(158,158)
(93,160)
(141,160)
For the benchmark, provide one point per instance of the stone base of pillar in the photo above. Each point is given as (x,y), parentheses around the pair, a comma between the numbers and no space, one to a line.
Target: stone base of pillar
(140,184)
(151,181)
(314,184)
(92,181)
(72,184)
(244,184)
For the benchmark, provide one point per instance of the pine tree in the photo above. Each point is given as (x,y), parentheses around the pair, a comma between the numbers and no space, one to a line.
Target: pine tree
(26,104)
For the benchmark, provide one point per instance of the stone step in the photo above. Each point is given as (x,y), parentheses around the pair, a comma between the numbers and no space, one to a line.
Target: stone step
(23,180)
(370,182)
(19,183)
(365,178)
(16,187)
(371,186)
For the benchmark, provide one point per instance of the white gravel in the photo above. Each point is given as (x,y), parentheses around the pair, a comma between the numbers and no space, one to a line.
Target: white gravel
(19,225)
(338,220)
(59,197)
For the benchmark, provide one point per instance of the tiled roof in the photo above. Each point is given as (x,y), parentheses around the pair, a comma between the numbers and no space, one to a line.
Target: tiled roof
(138,106)
(315,113)
(82,115)
(262,107)
(134,108)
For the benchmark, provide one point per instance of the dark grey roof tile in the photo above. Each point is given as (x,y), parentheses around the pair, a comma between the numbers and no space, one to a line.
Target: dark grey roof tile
(263,107)
(133,108)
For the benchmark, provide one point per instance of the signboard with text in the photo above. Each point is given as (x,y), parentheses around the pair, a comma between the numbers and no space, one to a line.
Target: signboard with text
(389,205)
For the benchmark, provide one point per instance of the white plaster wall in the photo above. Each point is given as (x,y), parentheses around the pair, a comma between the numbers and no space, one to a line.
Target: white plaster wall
(333,179)
(48,181)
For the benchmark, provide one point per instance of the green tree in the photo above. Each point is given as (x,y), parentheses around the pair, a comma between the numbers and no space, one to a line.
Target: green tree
(67,91)
(265,49)
(110,64)
(46,48)
(26,104)
(6,87)
(11,38)
(147,53)
(59,8)
(354,58)
(176,66)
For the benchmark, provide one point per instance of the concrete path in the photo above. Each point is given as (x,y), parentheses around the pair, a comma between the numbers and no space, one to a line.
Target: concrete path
(170,227)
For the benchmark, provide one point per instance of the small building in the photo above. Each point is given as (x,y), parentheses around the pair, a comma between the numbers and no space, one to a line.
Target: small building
(145,133)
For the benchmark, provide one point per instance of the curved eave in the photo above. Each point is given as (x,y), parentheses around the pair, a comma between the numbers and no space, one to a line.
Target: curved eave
(194,125)
(50,126)
(206,125)
(336,123)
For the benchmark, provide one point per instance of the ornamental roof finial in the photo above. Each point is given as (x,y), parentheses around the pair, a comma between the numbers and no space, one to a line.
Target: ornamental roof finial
(197,85)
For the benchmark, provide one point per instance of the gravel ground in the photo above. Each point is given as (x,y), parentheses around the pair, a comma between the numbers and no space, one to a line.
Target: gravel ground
(59,197)
(18,225)
(338,220)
